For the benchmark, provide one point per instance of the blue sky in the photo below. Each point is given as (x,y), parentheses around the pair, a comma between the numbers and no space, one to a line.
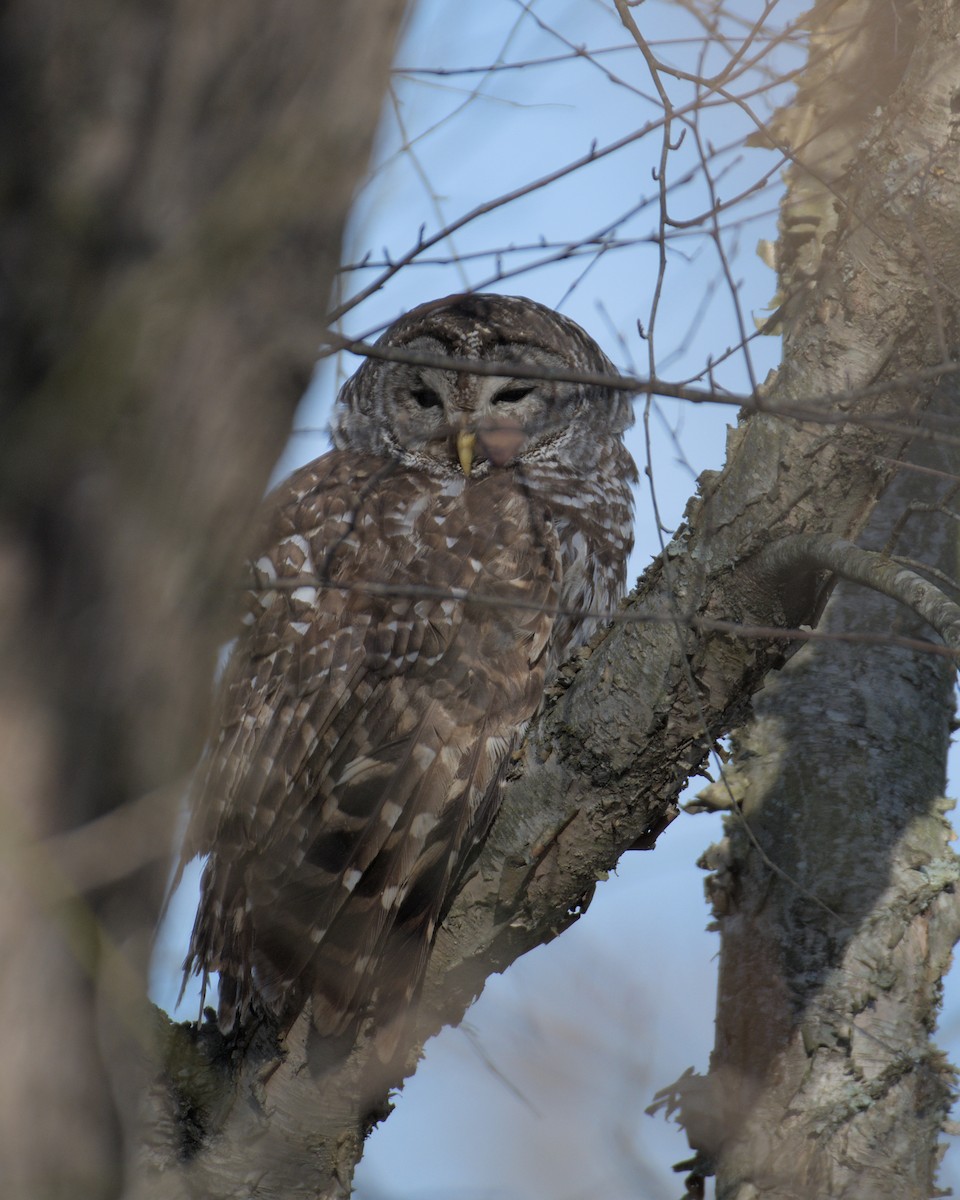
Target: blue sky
(557,1060)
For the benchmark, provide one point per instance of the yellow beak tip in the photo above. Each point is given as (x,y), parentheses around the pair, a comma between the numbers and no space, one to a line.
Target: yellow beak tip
(466,440)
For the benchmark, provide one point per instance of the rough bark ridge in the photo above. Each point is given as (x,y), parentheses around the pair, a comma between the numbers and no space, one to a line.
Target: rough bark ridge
(833,889)
(602,769)
(176,180)
(834,896)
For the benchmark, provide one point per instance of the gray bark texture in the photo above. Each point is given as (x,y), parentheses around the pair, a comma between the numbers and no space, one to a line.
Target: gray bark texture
(176,179)
(834,893)
(834,889)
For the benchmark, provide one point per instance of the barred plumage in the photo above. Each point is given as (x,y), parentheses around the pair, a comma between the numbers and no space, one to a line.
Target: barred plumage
(398,641)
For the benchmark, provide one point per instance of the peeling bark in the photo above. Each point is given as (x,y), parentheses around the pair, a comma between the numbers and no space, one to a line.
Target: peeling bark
(834,896)
(834,886)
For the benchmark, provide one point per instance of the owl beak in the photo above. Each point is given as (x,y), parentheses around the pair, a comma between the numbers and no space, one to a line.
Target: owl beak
(466,440)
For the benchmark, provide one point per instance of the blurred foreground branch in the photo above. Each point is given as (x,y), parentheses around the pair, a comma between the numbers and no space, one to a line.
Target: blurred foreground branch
(176,180)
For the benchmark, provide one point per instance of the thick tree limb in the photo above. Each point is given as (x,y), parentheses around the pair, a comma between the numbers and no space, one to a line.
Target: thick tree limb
(834,895)
(834,887)
(875,571)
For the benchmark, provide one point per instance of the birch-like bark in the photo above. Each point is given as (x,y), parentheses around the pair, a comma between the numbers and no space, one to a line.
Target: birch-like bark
(834,886)
(834,896)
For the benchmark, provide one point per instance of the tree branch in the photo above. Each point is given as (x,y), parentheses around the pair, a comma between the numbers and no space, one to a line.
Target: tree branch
(873,570)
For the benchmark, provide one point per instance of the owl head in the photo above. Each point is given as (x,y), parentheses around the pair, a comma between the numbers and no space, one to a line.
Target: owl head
(448,422)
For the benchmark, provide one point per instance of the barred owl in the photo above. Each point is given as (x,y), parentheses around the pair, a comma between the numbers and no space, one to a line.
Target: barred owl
(414,591)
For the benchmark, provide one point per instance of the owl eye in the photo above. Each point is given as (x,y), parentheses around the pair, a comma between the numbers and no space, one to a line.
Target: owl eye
(513,394)
(426,397)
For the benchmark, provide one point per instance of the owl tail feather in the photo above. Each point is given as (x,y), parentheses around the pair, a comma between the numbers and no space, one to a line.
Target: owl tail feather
(221,942)
(386,989)
(389,1037)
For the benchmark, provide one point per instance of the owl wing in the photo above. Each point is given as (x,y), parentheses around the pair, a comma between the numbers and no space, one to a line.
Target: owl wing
(364,730)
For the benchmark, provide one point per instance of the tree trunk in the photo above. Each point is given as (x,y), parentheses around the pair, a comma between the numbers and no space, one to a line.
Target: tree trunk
(833,892)
(833,888)
(176,182)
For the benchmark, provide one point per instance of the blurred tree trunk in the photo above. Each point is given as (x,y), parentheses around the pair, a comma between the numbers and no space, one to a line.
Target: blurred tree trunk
(175,182)
(834,886)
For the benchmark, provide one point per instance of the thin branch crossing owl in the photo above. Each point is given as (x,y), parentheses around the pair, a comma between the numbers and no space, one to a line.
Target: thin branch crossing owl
(415,590)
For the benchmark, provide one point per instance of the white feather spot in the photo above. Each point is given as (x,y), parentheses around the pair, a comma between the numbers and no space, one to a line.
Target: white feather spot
(495,748)
(306,595)
(351,879)
(356,768)
(388,895)
(265,566)
(301,544)
(300,627)
(390,813)
(423,756)
(450,757)
(317,936)
(421,825)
